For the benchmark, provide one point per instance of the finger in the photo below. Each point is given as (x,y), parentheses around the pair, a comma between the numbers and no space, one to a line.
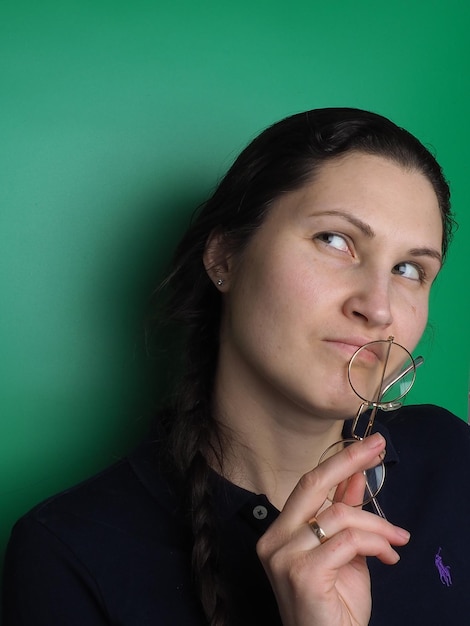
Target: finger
(313,488)
(340,517)
(351,491)
(352,542)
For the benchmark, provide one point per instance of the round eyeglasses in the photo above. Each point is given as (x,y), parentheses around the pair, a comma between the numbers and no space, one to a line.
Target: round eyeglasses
(380,373)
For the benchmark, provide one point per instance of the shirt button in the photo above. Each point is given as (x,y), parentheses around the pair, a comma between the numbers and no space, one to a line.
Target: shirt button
(260,512)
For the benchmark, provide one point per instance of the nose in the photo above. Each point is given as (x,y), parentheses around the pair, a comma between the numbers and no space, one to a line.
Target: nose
(369,301)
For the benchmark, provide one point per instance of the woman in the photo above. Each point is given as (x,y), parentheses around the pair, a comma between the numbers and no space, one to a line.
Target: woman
(326,234)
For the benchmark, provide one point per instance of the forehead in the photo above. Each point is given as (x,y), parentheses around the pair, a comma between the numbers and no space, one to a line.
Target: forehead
(372,188)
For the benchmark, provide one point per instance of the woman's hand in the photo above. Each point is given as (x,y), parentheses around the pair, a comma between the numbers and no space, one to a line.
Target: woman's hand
(327,584)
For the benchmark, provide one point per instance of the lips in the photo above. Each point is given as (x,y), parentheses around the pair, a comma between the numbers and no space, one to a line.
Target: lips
(356,342)
(350,345)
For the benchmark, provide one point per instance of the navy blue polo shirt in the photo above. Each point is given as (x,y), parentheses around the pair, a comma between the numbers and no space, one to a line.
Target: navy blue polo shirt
(115,550)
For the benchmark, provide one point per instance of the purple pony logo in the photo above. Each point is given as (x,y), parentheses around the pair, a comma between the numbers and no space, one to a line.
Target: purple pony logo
(444,570)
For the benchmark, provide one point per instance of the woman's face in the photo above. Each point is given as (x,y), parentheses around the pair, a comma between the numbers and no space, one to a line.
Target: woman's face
(347,259)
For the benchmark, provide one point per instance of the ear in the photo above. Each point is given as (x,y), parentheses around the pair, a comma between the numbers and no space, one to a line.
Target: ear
(216,259)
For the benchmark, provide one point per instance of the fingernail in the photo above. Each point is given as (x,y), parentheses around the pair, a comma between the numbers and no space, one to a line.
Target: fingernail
(374,441)
(404,534)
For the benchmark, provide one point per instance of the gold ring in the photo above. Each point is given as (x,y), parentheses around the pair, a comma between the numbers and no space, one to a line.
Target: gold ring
(317,530)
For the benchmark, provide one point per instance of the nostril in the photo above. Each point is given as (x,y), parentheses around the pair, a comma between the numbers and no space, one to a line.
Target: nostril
(358,314)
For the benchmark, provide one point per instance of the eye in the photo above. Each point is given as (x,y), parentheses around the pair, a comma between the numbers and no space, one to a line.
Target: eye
(410,271)
(334,241)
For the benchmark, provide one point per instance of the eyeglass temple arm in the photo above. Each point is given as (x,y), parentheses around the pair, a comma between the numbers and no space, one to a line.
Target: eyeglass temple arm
(416,363)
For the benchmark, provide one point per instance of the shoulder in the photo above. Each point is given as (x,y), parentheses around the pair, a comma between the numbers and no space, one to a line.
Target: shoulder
(427,423)
(105,544)
(122,510)
(431,467)
(426,491)
(121,497)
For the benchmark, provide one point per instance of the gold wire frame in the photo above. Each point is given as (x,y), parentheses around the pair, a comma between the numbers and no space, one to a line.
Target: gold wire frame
(384,386)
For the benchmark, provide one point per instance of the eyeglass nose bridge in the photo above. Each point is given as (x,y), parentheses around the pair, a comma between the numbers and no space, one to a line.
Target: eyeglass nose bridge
(364,406)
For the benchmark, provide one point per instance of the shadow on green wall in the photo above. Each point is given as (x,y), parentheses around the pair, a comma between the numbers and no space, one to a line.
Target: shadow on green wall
(78,430)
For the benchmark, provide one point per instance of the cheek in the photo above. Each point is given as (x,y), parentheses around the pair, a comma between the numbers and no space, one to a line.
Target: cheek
(271,304)
(271,281)
(252,305)
(414,324)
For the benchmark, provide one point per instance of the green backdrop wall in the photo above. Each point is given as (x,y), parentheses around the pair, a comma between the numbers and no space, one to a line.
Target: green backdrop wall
(117,118)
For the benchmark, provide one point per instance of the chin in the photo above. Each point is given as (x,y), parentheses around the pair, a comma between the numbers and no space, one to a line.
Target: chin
(334,410)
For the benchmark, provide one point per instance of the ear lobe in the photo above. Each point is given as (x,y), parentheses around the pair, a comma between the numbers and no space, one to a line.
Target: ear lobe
(216,259)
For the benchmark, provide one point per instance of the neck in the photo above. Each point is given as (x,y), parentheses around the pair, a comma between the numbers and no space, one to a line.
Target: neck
(269,449)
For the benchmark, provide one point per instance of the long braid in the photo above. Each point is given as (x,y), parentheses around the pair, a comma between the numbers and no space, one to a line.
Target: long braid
(205,554)
(192,438)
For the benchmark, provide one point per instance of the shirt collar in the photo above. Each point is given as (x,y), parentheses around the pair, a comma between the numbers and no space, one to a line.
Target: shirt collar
(229,498)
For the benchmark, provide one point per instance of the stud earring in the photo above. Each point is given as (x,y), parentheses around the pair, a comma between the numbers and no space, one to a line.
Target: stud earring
(220,281)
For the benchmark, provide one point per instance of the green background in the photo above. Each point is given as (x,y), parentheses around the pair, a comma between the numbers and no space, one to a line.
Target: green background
(117,119)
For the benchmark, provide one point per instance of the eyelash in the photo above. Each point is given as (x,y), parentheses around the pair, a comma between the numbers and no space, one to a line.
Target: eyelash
(323,236)
(421,272)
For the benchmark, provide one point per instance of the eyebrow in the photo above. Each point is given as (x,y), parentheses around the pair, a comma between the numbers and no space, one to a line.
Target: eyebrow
(369,232)
(362,226)
(430,252)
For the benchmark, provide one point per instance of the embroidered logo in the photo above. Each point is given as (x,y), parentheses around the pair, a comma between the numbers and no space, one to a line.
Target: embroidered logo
(444,570)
